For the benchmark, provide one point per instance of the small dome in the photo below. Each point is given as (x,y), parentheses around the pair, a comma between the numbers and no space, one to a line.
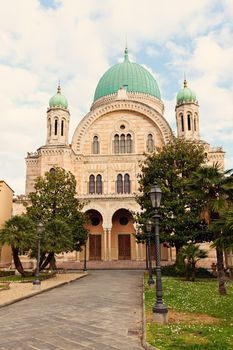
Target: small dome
(131,76)
(58,100)
(186,95)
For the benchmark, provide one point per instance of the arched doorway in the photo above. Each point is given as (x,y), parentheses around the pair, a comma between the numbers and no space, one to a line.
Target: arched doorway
(123,240)
(95,239)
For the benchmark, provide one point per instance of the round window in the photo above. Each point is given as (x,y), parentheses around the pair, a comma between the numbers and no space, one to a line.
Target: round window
(122,127)
(95,221)
(123,220)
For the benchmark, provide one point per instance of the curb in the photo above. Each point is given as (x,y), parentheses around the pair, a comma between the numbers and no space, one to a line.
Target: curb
(146,345)
(41,291)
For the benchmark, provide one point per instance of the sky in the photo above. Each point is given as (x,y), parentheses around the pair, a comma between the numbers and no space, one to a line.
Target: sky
(76,41)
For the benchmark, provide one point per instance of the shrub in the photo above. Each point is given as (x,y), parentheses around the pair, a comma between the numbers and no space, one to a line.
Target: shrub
(175,271)
(4,273)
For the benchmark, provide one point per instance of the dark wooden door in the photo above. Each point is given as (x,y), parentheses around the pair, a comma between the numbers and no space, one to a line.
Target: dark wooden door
(94,247)
(124,251)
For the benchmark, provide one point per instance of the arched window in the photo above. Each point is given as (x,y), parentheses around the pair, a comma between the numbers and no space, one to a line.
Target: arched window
(55,127)
(195,122)
(189,122)
(99,184)
(91,184)
(62,127)
(119,183)
(49,126)
(126,183)
(122,144)
(116,144)
(128,144)
(95,147)
(182,122)
(150,143)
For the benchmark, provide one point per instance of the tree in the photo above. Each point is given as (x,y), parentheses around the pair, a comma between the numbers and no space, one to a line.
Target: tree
(54,203)
(19,233)
(172,167)
(214,189)
(189,255)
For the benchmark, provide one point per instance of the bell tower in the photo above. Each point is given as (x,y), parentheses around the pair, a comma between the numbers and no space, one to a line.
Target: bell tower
(187,114)
(58,118)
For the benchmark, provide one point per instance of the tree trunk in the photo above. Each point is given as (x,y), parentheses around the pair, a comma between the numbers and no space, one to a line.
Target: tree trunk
(17,262)
(178,247)
(193,272)
(221,274)
(47,260)
(187,272)
(52,264)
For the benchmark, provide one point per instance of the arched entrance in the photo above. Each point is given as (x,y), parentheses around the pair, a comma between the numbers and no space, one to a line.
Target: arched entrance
(123,240)
(95,239)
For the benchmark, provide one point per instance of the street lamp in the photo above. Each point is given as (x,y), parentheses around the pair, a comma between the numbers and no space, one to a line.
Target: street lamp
(85,257)
(160,310)
(148,229)
(39,230)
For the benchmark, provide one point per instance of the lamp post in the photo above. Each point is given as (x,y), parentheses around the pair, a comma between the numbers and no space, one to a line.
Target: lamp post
(147,266)
(148,229)
(85,257)
(160,311)
(39,230)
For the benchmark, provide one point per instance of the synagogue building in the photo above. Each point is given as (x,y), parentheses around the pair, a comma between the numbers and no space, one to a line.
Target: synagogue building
(126,121)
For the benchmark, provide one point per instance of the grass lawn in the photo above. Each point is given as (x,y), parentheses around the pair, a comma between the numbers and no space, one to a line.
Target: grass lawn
(199,318)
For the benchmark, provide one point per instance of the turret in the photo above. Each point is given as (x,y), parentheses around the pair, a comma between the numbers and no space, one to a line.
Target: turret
(187,114)
(58,117)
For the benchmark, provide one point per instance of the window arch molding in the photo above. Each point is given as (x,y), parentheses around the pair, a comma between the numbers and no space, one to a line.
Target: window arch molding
(49,127)
(123,183)
(189,116)
(95,184)
(95,144)
(91,184)
(62,127)
(56,125)
(122,142)
(150,142)
(181,116)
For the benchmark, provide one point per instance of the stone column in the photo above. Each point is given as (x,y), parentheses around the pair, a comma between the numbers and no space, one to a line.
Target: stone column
(105,243)
(109,245)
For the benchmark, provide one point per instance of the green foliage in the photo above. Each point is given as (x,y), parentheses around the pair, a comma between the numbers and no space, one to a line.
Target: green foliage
(188,256)
(214,189)
(18,232)
(198,298)
(4,273)
(172,167)
(54,203)
(176,271)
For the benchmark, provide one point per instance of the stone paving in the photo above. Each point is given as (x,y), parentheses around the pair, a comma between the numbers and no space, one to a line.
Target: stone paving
(102,311)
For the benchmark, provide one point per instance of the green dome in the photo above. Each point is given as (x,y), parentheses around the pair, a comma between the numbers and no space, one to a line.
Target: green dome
(131,76)
(186,95)
(58,100)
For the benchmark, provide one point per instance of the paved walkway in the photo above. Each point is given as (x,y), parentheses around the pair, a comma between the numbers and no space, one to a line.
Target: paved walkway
(102,311)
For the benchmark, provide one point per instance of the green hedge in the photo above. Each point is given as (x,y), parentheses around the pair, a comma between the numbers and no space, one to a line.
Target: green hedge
(174,271)
(4,273)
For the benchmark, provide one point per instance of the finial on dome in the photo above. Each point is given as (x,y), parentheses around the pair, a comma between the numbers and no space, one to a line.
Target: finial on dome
(59,87)
(126,56)
(185,83)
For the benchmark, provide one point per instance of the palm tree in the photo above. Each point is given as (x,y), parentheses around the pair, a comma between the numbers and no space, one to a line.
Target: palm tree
(190,254)
(19,233)
(214,188)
